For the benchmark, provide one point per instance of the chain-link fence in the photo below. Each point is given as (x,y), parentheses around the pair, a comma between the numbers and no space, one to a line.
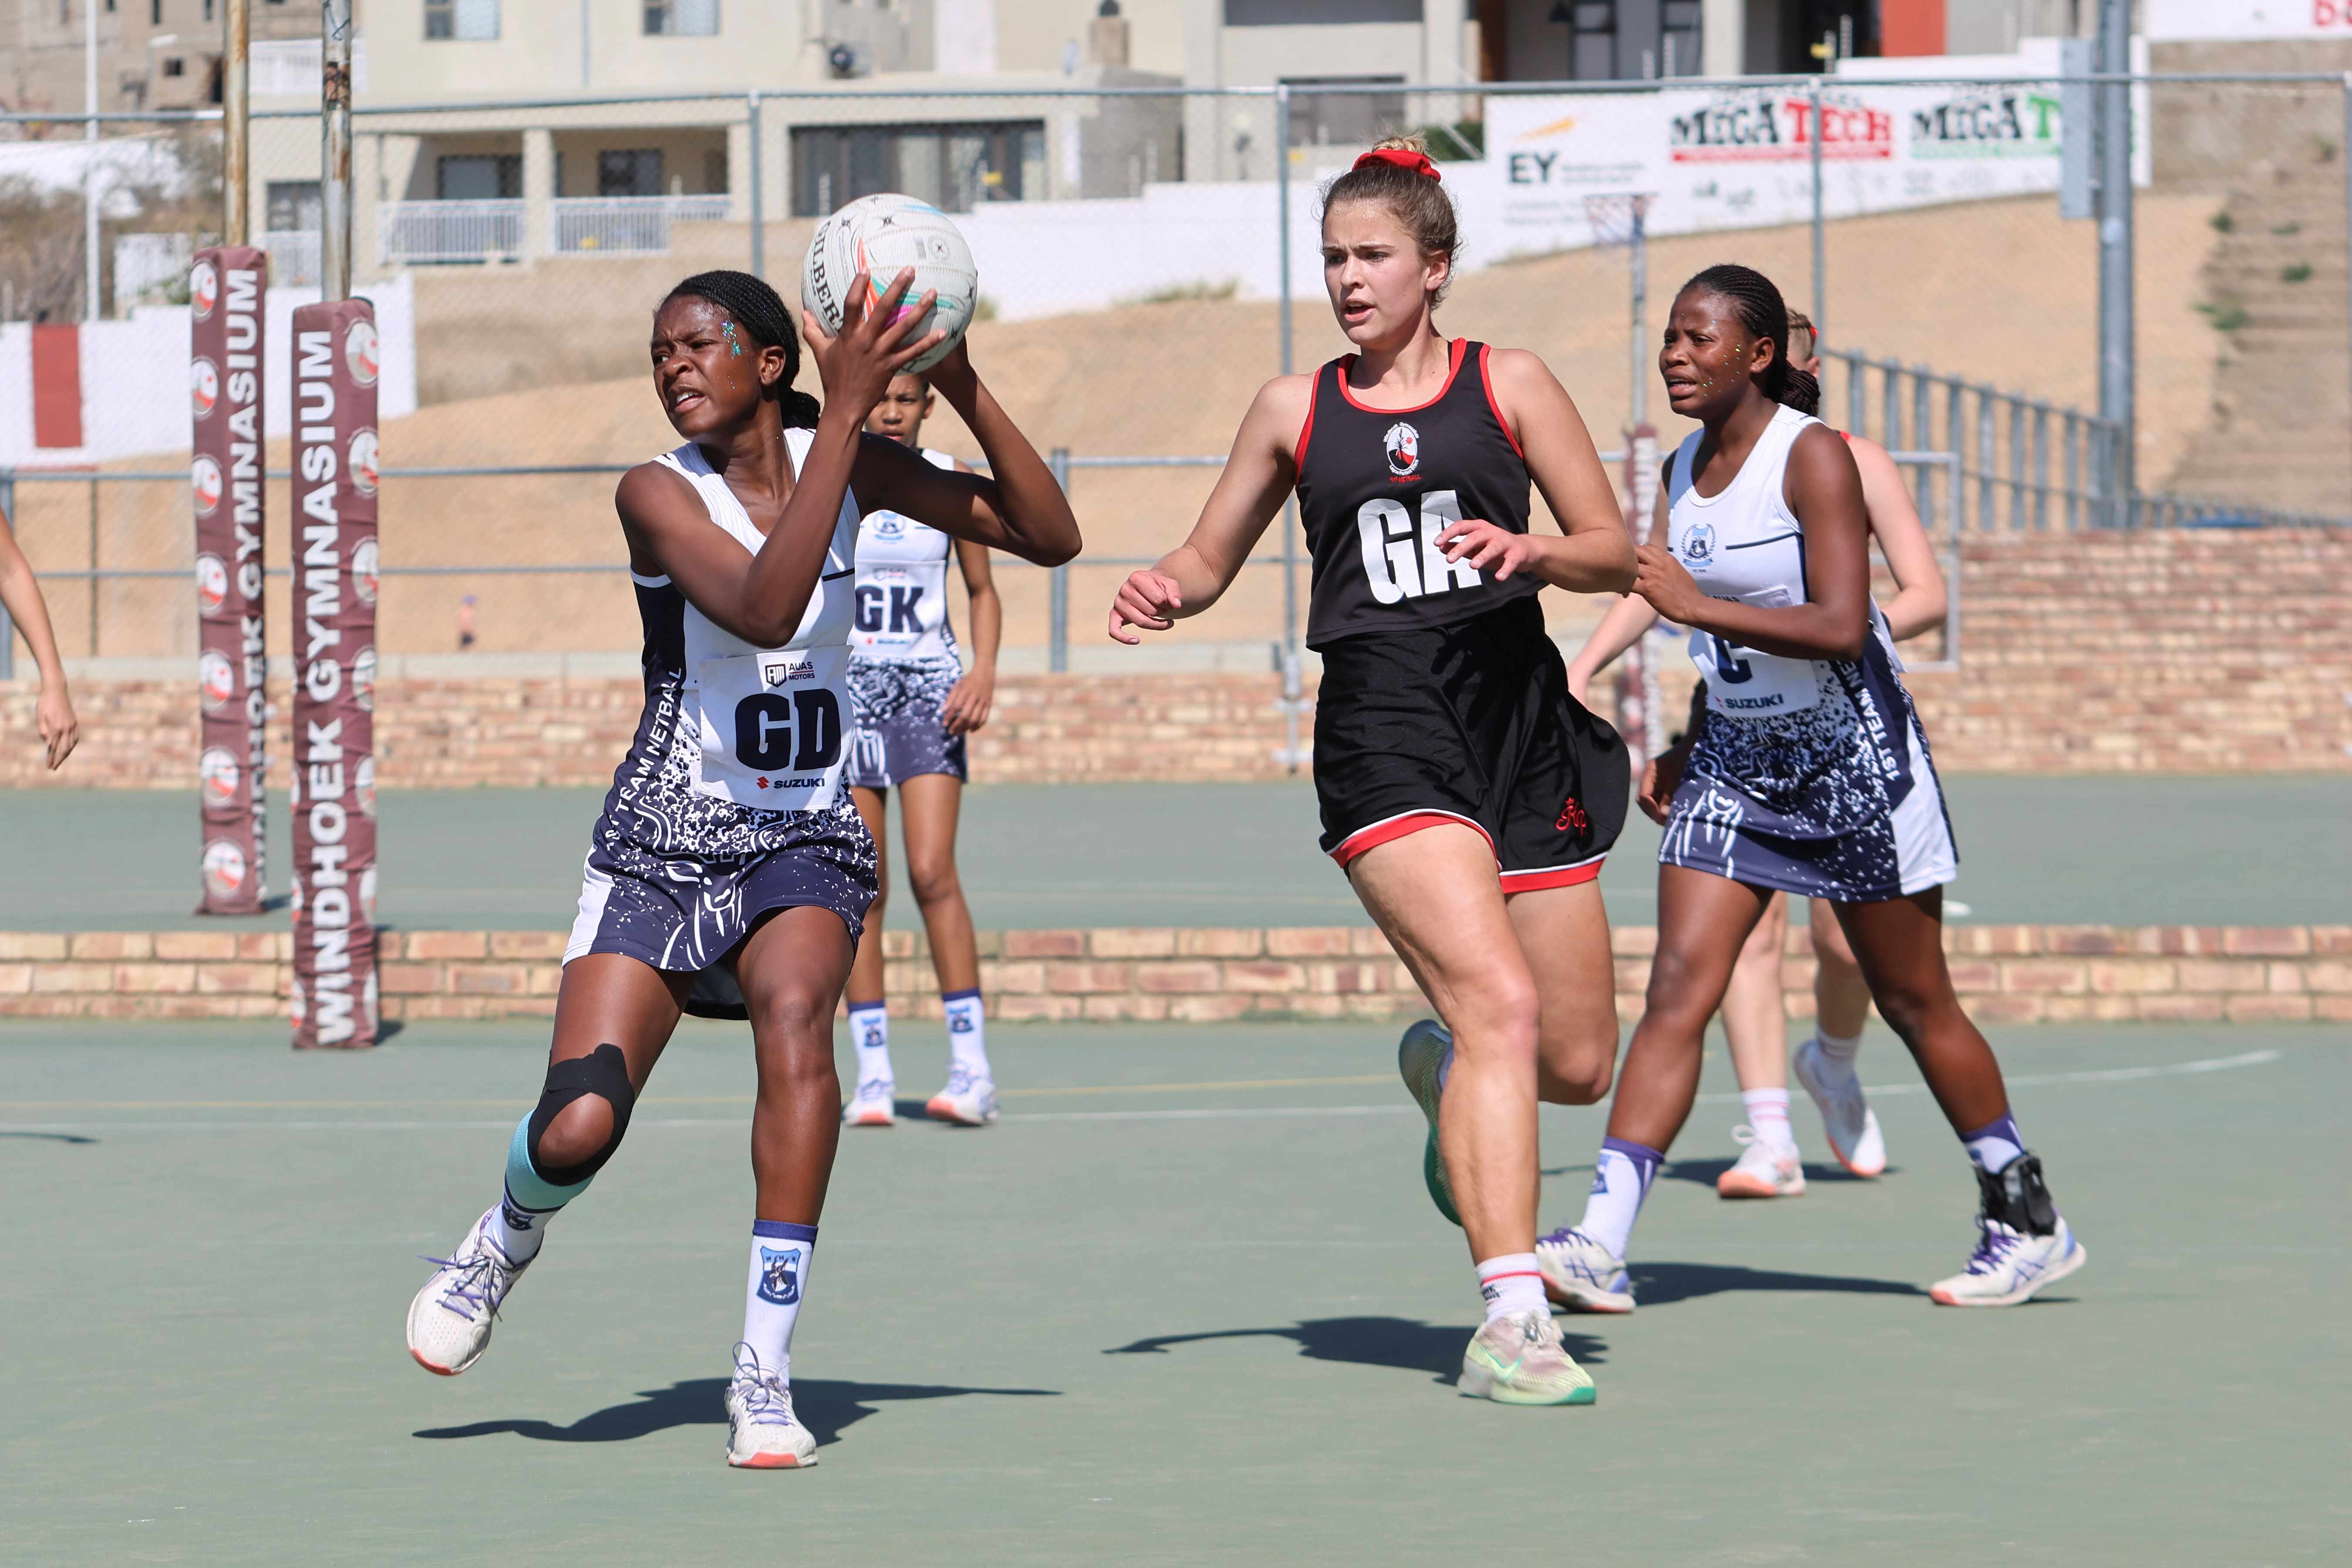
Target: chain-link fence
(1140,279)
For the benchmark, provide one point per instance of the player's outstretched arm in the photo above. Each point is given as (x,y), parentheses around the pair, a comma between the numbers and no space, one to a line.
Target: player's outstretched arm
(1258,473)
(1918,602)
(21,593)
(1016,507)
(1592,555)
(1620,630)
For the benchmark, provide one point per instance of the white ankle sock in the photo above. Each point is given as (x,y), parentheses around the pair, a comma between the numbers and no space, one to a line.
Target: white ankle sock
(1512,1283)
(869,1031)
(967,1032)
(1621,1180)
(771,1300)
(518,1231)
(1837,1050)
(1767,1113)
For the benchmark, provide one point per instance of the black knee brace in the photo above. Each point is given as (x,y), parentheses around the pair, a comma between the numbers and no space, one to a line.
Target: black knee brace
(601,1072)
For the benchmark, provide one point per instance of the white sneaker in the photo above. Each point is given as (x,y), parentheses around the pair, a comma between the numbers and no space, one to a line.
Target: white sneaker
(967,1102)
(449,1322)
(2023,1241)
(2009,1266)
(1762,1170)
(874,1105)
(1847,1121)
(1581,1275)
(762,1433)
(1518,1360)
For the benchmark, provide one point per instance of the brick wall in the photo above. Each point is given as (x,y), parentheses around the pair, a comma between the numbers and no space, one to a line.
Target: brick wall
(2173,651)
(1213,975)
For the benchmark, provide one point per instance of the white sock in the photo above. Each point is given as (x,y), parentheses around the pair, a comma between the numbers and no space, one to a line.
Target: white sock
(1767,1113)
(1512,1283)
(967,1032)
(1621,1180)
(869,1031)
(516,1231)
(1837,1051)
(771,1300)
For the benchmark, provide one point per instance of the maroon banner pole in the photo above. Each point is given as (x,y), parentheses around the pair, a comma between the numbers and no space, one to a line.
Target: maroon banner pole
(335,364)
(227,290)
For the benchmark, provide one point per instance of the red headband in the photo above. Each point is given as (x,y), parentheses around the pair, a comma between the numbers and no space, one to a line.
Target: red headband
(1403,158)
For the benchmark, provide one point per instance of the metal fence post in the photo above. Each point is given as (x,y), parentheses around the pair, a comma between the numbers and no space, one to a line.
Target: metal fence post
(1986,478)
(2346,155)
(1289,506)
(2072,440)
(1955,430)
(7,629)
(1057,652)
(2016,465)
(2041,467)
(2117,346)
(759,215)
(1857,394)
(1821,306)
(1893,408)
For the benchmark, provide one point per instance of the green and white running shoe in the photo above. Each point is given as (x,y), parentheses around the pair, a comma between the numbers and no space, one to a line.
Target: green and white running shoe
(1518,1360)
(1421,1056)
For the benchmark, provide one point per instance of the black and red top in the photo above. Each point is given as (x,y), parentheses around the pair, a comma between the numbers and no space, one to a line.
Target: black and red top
(1377,485)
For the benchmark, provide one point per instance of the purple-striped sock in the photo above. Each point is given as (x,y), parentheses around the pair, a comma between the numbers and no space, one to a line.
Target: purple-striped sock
(1992,1146)
(1621,1180)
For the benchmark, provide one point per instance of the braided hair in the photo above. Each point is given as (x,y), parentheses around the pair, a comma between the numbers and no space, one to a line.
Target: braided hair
(1411,192)
(759,314)
(1765,313)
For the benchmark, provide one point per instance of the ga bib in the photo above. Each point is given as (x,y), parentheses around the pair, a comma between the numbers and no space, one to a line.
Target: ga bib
(775,725)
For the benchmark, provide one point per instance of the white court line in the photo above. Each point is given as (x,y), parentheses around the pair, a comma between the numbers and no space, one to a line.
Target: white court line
(1227,1113)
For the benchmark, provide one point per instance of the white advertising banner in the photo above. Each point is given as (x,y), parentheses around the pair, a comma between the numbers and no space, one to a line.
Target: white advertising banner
(2172,21)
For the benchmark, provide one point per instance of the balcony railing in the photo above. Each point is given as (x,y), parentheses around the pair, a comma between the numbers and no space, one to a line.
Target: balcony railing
(450,231)
(293,256)
(628,225)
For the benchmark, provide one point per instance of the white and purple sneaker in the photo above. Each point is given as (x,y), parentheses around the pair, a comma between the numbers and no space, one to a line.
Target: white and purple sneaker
(449,1321)
(874,1105)
(1581,1275)
(2023,1245)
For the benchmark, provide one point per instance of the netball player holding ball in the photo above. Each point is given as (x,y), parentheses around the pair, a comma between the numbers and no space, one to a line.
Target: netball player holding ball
(1467,796)
(1810,776)
(729,875)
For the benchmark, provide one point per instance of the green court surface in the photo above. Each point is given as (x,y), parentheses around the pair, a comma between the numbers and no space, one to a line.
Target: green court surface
(1186,1304)
(2115,848)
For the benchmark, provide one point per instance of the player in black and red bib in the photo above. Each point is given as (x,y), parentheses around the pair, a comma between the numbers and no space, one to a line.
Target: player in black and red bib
(1468,797)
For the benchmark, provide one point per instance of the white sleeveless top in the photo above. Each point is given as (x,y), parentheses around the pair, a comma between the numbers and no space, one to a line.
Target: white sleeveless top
(1745,544)
(902,586)
(771,723)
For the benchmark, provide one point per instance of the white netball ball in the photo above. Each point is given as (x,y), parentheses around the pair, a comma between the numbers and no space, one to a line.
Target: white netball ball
(882,236)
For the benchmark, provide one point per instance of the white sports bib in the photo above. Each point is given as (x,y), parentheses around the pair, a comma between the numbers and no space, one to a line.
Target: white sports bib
(1744,544)
(902,585)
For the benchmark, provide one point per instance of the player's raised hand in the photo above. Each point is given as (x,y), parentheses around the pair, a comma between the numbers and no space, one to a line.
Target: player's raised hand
(875,343)
(1149,599)
(1486,546)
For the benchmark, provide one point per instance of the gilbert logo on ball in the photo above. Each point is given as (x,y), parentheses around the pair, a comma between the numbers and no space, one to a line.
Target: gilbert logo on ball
(363,573)
(204,475)
(360,352)
(363,680)
(212,583)
(881,237)
(224,869)
(362,462)
(218,775)
(215,679)
(203,386)
(1404,445)
(204,288)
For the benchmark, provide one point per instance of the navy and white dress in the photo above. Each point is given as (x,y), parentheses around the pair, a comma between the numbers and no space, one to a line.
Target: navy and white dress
(1811,775)
(902,651)
(730,804)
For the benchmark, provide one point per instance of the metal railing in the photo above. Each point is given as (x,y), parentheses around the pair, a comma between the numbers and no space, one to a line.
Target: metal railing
(628,225)
(450,231)
(293,256)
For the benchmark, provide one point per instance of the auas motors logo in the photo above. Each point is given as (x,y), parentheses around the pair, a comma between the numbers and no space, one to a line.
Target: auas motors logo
(1402,443)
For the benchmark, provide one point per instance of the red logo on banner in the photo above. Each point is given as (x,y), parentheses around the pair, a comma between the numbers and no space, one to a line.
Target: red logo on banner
(218,773)
(363,461)
(363,680)
(212,587)
(204,288)
(359,352)
(215,679)
(205,474)
(203,386)
(224,869)
(363,576)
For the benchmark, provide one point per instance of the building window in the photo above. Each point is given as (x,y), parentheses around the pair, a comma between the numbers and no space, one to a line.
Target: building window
(292,206)
(478,177)
(629,172)
(175,66)
(1681,26)
(154,13)
(1343,118)
(467,21)
(954,167)
(681,18)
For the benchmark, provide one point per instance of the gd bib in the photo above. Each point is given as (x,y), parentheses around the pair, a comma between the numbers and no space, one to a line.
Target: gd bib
(774,728)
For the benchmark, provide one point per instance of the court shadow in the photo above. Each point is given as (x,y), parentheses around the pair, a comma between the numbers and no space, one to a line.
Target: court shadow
(826,1406)
(51,1137)
(1704,1173)
(1400,1343)
(1658,1284)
